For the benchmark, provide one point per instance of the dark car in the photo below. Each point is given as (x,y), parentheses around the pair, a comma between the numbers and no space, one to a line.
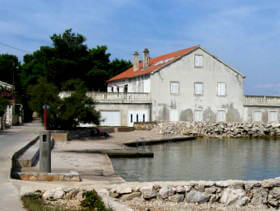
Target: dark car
(98,132)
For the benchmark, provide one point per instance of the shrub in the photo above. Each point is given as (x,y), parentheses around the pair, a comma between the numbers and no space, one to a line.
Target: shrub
(66,113)
(93,202)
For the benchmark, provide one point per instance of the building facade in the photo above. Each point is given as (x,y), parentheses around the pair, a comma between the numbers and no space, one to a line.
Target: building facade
(186,85)
(13,112)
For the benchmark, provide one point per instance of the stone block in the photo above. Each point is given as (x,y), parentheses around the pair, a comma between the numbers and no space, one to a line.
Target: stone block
(197,197)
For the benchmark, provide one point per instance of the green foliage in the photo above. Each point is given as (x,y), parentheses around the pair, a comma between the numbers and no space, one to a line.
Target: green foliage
(9,68)
(93,202)
(69,59)
(66,63)
(3,105)
(34,202)
(64,113)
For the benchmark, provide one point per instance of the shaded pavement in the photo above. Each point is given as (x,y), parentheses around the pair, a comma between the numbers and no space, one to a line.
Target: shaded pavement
(11,140)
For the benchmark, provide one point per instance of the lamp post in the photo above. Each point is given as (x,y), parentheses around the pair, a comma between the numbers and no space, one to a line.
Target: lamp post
(45,109)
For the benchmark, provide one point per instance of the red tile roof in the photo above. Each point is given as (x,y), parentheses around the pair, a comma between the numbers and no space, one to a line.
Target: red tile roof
(155,64)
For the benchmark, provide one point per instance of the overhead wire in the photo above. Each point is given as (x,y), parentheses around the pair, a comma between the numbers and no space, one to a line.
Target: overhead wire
(15,48)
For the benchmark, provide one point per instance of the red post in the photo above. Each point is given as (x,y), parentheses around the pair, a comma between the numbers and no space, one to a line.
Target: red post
(45,118)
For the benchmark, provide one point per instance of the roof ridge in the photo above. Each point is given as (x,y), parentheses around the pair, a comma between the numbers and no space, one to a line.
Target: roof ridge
(155,63)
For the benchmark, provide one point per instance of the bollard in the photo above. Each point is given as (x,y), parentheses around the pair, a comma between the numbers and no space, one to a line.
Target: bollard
(45,152)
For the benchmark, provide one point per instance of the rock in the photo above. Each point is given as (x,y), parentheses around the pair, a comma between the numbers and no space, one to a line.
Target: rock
(130,196)
(176,198)
(259,196)
(71,194)
(232,196)
(188,188)
(197,197)
(123,190)
(48,195)
(165,192)
(211,190)
(180,189)
(27,191)
(148,192)
(222,184)
(214,198)
(114,194)
(274,197)
(79,195)
(58,194)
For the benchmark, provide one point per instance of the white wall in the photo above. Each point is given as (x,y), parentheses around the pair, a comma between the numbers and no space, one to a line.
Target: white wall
(138,84)
(185,102)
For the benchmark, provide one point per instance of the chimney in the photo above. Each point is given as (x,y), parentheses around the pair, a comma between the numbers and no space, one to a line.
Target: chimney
(146,58)
(135,61)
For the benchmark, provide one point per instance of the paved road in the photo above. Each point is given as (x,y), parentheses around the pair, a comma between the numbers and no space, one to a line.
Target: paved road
(12,140)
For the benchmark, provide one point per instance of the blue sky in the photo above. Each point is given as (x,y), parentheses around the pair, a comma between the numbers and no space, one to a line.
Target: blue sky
(243,33)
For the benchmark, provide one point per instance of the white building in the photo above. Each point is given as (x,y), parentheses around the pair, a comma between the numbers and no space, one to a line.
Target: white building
(186,85)
(10,117)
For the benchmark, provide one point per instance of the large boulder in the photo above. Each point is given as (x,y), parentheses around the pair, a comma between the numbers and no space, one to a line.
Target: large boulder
(274,197)
(165,191)
(236,197)
(148,192)
(197,197)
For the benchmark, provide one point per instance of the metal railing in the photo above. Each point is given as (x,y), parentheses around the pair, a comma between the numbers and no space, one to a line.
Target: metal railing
(113,97)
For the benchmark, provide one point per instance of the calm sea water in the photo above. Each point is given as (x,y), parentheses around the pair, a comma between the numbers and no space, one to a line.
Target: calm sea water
(204,159)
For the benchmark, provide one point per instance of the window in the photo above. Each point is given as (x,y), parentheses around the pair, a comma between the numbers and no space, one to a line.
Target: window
(143,117)
(198,60)
(198,115)
(131,118)
(198,88)
(257,116)
(137,119)
(221,89)
(126,88)
(272,116)
(174,87)
(221,116)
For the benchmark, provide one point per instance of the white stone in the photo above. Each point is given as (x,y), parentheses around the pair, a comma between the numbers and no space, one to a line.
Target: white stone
(123,190)
(58,194)
(48,194)
(232,196)
(165,191)
(197,197)
(148,192)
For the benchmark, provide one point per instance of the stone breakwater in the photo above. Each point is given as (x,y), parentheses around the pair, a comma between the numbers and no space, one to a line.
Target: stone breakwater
(231,130)
(255,195)
(258,194)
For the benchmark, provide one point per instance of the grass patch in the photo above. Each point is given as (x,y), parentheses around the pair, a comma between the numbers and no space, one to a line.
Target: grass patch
(91,202)
(36,203)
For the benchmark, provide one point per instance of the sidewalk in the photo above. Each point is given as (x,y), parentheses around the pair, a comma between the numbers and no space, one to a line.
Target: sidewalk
(12,140)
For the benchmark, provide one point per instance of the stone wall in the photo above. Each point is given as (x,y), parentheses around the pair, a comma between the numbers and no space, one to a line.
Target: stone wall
(233,130)
(252,195)
(233,193)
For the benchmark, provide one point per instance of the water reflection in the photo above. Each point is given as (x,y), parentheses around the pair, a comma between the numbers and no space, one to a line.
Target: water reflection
(205,159)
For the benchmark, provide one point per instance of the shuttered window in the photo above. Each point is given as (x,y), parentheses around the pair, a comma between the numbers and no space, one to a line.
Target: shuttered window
(272,116)
(198,115)
(198,61)
(221,89)
(221,116)
(174,87)
(198,88)
(257,116)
